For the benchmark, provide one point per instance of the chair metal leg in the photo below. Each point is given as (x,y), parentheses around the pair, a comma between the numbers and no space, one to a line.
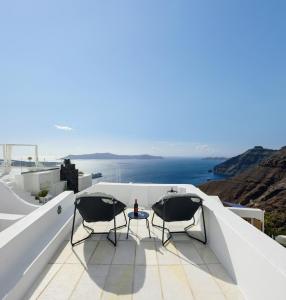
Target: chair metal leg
(73,225)
(128,228)
(124,225)
(148,226)
(185,230)
(72,233)
(115,234)
(116,228)
(191,225)
(153,224)
(163,231)
(204,241)
(164,242)
(87,228)
(93,233)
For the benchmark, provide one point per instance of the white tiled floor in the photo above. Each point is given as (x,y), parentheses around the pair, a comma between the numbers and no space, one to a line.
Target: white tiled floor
(138,268)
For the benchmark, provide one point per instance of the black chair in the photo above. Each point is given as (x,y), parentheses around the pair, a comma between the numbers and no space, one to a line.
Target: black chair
(95,208)
(178,207)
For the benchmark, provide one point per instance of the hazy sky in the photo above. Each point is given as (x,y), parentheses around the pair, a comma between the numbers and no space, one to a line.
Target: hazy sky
(187,77)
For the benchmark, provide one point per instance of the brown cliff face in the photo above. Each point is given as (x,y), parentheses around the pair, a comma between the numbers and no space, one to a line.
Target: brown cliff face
(263,186)
(244,161)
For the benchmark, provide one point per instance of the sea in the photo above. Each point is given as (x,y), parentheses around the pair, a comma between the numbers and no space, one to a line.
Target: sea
(167,170)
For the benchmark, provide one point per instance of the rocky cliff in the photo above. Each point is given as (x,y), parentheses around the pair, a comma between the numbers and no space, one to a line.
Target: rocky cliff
(242,162)
(262,186)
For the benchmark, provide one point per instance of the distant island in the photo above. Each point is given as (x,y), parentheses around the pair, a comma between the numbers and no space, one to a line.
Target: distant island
(111,156)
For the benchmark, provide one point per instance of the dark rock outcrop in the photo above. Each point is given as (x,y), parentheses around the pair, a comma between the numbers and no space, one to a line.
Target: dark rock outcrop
(262,186)
(242,162)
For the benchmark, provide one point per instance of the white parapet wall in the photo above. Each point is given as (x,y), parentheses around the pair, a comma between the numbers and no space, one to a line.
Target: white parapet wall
(146,194)
(28,245)
(254,261)
(7,220)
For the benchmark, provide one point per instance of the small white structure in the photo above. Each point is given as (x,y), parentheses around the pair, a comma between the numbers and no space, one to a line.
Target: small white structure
(250,213)
(84,181)
(28,184)
(36,181)
(7,156)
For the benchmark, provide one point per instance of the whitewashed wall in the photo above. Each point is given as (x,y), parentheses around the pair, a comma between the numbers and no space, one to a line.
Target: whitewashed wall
(28,245)
(11,203)
(146,194)
(255,261)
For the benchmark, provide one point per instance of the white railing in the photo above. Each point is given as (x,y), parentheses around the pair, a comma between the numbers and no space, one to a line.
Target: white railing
(28,245)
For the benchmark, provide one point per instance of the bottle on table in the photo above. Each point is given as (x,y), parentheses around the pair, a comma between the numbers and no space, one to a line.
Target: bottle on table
(136,208)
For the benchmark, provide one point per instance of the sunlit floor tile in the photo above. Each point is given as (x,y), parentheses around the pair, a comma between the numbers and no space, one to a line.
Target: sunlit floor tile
(201,281)
(205,253)
(63,283)
(147,283)
(91,283)
(43,281)
(188,253)
(82,252)
(146,253)
(174,283)
(167,255)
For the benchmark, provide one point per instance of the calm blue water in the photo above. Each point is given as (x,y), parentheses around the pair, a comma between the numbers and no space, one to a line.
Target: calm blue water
(167,170)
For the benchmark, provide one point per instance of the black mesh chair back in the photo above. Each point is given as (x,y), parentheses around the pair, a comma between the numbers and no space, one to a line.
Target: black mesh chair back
(98,208)
(178,207)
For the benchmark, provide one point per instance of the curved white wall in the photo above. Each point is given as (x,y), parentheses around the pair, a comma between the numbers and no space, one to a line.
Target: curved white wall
(11,203)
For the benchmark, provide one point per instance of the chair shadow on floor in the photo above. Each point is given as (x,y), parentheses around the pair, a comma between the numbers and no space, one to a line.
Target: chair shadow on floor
(112,269)
(190,251)
(124,277)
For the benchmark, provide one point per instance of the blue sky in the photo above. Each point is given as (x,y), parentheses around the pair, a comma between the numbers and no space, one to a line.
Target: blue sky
(188,78)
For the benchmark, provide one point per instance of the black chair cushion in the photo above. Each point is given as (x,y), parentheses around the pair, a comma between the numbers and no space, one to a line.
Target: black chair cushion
(179,207)
(99,207)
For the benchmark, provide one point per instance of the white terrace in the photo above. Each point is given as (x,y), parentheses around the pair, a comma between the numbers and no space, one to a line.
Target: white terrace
(238,262)
(138,268)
